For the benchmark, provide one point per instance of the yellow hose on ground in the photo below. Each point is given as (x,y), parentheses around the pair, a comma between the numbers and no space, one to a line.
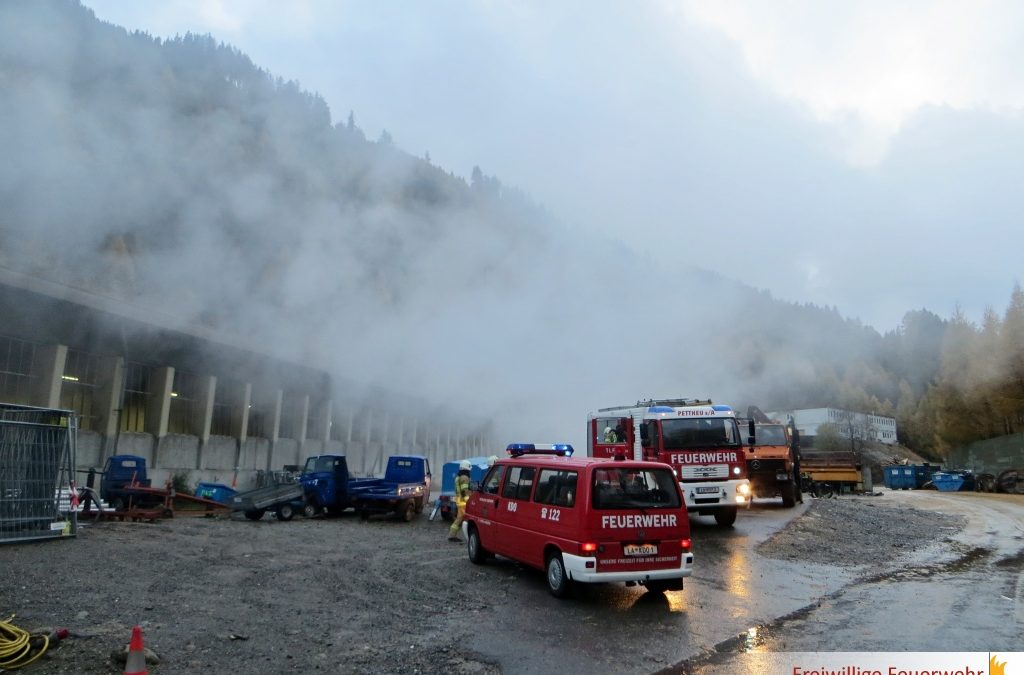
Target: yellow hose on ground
(18,647)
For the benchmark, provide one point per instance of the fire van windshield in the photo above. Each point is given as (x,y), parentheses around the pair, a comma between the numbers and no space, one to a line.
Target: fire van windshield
(632,488)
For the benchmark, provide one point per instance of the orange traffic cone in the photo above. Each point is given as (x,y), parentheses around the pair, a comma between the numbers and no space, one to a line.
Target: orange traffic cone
(136,663)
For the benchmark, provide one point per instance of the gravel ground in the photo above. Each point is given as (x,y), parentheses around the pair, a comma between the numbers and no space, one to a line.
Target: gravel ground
(231,596)
(853,531)
(224,595)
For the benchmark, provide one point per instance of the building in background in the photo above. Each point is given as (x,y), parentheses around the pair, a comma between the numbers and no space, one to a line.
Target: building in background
(864,426)
(191,401)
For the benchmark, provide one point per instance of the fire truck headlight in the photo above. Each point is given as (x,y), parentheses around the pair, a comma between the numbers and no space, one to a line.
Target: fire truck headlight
(736,471)
(743,489)
(740,499)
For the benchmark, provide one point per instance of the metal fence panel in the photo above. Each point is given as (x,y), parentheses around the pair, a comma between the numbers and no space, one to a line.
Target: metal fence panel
(994,455)
(37,459)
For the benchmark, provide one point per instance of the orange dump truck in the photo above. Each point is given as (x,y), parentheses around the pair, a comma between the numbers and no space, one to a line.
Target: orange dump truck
(770,466)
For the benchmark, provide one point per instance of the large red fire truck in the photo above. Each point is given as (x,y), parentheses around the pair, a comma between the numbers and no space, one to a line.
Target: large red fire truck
(700,440)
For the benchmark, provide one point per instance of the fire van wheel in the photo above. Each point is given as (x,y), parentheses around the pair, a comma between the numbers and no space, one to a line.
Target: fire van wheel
(309,510)
(408,510)
(254,515)
(285,513)
(558,580)
(478,555)
(726,517)
(788,496)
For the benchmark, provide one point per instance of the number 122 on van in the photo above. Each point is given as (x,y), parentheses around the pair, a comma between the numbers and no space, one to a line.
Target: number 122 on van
(550,514)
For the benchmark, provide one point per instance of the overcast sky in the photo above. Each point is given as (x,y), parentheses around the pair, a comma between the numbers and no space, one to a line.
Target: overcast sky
(863,155)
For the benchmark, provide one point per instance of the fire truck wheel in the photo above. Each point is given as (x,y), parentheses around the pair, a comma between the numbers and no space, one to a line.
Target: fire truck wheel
(478,555)
(254,515)
(558,580)
(117,504)
(788,496)
(309,510)
(725,517)
(408,510)
(285,513)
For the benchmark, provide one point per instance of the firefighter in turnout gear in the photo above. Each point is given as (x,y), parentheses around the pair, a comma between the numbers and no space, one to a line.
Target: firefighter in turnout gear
(461,497)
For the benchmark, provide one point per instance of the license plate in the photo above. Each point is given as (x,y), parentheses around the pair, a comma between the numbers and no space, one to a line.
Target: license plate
(707,490)
(781,475)
(640,549)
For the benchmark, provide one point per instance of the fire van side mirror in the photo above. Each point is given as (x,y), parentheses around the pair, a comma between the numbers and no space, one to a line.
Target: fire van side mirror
(751,433)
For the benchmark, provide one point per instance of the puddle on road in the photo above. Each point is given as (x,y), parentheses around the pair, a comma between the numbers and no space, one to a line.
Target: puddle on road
(752,640)
(1014,562)
(961,564)
(756,637)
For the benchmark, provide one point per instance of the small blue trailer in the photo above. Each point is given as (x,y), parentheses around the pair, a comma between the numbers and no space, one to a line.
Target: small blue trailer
(445,504)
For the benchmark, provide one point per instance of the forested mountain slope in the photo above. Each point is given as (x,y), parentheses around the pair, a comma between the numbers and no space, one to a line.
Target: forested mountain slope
(179,174)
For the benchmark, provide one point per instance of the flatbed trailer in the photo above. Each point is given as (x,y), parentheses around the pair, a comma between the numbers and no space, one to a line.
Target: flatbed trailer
(283,499)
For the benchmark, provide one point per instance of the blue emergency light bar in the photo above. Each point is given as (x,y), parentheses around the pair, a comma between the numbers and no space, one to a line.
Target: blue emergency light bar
(721,408)
(520,449)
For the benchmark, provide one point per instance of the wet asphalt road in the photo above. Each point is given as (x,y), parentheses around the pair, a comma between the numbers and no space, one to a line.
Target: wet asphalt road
(739,604)
(964,597)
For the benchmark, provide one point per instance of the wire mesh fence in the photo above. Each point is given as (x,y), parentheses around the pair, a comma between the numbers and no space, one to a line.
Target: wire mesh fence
(37,459)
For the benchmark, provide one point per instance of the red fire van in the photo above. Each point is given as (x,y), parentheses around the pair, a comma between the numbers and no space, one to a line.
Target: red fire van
(582,519)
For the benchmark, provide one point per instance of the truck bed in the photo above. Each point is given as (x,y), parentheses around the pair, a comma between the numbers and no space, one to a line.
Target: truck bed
(841,466)
(265,497)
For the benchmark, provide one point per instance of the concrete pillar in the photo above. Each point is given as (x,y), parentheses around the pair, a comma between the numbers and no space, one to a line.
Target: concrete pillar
(202,407)
(202,413)
(158,408)
(107,401)
(240,411)
(47,371)
(274,427)
(275,414)
(326,421)
(302,423)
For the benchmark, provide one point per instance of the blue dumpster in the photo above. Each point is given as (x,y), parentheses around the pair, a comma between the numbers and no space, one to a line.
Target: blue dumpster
(215,491)
(922,474)
(909,476)
(893,477)
(953,481)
